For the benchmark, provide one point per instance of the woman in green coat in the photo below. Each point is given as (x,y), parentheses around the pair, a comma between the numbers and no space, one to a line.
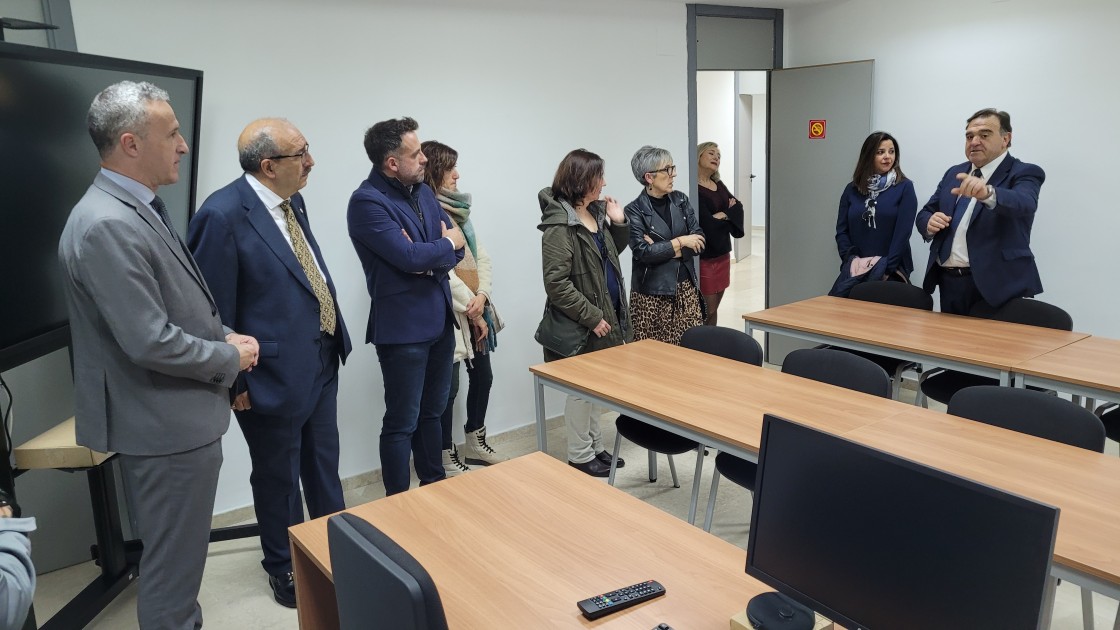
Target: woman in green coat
(586,308)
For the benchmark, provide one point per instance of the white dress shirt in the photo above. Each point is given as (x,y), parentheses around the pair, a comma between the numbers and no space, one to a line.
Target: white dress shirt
(958,252)
(272,201)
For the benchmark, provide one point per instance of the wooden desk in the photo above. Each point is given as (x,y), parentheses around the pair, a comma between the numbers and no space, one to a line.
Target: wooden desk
(1089,367)
(1084,484)
(715,401)
(967,344)
(551,536)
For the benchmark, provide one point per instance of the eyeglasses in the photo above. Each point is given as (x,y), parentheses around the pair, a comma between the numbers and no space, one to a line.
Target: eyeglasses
(670,170)
(300,155)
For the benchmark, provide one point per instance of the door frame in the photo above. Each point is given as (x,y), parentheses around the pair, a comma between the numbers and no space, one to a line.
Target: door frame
(776,16)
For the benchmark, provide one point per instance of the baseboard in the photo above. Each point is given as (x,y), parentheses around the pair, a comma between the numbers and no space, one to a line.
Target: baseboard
(242,515)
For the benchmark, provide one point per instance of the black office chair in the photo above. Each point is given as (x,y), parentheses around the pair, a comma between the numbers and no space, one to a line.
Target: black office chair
(1038,414)
(941,385)
(379,585)
(1110,417)
(895,294)
(724,342)
(826,365)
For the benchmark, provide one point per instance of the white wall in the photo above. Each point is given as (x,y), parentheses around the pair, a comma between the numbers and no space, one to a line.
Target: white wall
(716,102)
(513,85)
(1051,65)
(754,83)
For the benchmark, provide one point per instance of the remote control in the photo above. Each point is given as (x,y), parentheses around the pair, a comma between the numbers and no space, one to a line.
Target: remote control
(595,607)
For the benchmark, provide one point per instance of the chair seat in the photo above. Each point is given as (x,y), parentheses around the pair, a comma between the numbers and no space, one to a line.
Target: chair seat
(653,438)
(1111,422)
(942,385)
(737,470)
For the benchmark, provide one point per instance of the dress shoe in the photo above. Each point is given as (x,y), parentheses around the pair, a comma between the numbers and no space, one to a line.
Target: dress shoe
(284,588)
(594,467)
(605,457)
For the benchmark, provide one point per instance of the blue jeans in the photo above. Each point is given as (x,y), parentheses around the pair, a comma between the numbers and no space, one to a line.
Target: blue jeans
(481,377)
(417,378)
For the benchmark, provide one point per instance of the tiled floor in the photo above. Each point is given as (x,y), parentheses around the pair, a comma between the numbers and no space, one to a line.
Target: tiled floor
(234,590)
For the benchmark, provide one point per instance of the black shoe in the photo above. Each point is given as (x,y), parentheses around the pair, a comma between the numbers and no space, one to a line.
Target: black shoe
(594,467)
(283,589)
(605,457)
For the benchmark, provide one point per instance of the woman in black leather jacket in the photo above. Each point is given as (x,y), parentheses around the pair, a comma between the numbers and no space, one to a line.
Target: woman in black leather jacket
(665,238)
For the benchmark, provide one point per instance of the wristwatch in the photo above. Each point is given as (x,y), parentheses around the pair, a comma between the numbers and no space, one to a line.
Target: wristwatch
(991,191)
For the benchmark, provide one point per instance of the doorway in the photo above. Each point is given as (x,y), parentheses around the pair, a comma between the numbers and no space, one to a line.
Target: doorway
(731,51)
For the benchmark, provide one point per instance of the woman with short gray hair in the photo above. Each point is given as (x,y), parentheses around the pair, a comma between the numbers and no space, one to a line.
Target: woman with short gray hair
(665,237)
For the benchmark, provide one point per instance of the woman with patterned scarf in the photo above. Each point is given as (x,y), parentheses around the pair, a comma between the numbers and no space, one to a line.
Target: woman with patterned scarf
(876,217)
(478,321)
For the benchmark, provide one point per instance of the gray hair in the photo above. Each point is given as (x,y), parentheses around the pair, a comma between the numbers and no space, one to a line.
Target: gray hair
(121,108)
(648,159)
(260,146)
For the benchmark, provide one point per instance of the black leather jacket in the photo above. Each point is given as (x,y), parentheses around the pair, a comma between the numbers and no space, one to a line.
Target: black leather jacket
(654,271)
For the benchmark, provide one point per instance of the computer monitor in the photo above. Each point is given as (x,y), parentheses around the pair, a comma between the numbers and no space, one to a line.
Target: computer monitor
(379,585)
(872,540)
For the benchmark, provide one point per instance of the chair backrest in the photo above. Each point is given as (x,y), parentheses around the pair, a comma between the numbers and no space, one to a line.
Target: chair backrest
(1026,311)
(1035,413)
(724,342)
(377,583)
(893,293)
(839,368)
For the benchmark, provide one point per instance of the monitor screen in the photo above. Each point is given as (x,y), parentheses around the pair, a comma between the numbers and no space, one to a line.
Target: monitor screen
(47,162)
(872,540)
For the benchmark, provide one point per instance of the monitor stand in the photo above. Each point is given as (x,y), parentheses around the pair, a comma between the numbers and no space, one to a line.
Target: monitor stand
(774,611)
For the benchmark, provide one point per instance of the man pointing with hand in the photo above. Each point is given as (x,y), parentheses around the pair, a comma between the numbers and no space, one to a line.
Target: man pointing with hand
(979,221)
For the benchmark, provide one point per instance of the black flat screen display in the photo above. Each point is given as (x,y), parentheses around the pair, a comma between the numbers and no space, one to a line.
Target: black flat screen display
(47,161)
(872,540)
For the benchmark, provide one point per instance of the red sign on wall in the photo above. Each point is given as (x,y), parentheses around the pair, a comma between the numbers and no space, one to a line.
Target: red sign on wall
(817,129)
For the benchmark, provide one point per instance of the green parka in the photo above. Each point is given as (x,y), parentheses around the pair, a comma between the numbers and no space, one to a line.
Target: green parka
(574,282)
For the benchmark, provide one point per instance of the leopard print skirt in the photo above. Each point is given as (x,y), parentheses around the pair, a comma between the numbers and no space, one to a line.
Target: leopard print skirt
(665,317)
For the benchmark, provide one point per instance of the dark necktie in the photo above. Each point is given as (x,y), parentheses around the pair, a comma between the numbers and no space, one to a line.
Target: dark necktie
(161,210)
(958,215)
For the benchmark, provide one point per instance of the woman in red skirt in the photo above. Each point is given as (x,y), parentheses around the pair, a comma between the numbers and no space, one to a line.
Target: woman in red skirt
(721,217)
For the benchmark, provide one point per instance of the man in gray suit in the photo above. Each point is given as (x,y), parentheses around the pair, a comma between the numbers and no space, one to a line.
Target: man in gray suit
(152,361)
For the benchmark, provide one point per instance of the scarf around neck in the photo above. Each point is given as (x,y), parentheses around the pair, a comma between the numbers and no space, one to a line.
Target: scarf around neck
(458,205)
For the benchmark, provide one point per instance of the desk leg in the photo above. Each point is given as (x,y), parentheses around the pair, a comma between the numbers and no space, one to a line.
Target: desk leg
(1017,381)
(1004,378)
(315,598)
(542,427)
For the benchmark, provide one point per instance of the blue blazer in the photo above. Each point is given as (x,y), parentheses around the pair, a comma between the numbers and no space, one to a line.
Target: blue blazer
(262,291)
(406,277)
(999,238)
(890,238)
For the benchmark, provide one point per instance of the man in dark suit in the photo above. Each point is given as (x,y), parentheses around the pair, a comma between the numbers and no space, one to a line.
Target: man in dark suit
(407,245)
(253,242)
(979,220)
(152,362)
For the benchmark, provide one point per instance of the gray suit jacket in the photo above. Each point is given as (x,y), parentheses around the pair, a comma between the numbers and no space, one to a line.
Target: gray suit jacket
(151,365)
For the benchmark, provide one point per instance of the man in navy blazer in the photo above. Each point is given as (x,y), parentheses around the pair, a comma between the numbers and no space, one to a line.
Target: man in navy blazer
(254,245)
(406,245)
(979,221)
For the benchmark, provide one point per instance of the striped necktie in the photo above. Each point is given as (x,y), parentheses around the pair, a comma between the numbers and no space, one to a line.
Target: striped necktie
(958,215)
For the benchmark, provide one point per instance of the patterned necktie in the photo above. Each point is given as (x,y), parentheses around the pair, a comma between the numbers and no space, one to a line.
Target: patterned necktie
(307,262)
(161,210)
(958,215)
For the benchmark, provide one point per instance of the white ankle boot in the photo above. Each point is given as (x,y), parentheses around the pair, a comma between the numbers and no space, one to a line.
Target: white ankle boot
(477,451)
(452,465)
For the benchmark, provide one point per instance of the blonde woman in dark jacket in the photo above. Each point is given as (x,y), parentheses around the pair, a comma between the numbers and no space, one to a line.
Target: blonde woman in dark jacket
(586,295)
